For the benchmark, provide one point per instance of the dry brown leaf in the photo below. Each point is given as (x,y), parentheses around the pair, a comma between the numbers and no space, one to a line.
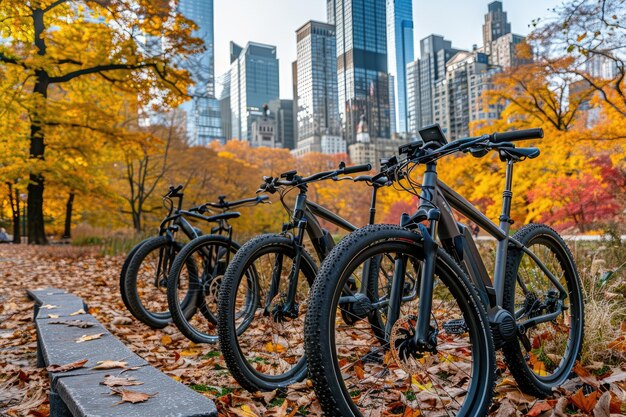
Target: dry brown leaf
(88,337)
(121,321)
(67,366)
(48,306)
(110,364)
(53,316)
(539,408)
(584,402)
(76,313)
(133,397)
(603,406)
(116,381)
(560,409)
(72,323)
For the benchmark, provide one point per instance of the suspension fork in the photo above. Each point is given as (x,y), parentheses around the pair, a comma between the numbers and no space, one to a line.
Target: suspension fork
(423,337)
(165,253)
(290,304)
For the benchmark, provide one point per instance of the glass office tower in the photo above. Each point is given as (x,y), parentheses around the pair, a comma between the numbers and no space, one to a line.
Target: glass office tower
(253,83)
(363,81)
(203,110)
(400,53)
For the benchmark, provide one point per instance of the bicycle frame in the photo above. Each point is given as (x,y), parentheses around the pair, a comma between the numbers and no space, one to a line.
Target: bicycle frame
(436,203)
(305,219)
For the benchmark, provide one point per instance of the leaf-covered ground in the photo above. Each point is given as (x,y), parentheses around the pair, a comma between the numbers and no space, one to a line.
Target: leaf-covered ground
(598,389)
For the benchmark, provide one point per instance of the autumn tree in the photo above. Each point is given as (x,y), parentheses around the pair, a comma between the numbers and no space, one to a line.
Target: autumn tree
(131,44)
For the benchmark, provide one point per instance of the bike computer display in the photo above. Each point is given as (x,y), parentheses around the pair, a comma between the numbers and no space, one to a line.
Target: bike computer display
(433,133)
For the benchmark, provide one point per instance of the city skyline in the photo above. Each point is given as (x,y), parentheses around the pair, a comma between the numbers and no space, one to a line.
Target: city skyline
(460,22)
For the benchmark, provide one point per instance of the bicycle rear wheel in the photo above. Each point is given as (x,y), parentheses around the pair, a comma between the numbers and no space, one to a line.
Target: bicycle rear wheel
(124,270)
(546,352)
(355,373)
(196,275)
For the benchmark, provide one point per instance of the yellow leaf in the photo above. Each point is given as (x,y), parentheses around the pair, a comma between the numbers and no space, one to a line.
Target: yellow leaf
(166,340)
(275,347)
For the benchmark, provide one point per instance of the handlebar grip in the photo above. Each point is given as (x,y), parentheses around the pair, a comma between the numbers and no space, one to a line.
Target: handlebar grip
(357,168)
(536,133)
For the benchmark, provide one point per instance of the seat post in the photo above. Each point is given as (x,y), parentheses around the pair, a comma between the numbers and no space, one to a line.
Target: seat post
(507,196)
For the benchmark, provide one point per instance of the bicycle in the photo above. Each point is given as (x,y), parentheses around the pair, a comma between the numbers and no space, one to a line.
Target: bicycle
(196,273)
(438,351)
(261,319)
(143,277)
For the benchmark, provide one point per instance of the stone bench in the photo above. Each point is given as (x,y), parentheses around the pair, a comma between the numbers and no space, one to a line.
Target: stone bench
(78,392)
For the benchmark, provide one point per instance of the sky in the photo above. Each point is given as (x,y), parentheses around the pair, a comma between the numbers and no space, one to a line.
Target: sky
(274,22)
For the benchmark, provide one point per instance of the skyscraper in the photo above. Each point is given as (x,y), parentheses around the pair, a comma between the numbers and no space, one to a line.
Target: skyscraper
(318,109)
(400,53)
(253,83)
(202,111)
(495,26)
(363,81)
(435,51)
(282,112)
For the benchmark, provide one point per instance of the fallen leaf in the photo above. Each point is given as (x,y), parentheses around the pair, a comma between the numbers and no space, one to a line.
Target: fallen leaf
(53,316)
(76,313)
(121,321)
(116,381)
(584,402)
(110,364)
(244,411)
(133,397)
(560,409)
(166,340)
(87,338)
(48,306)
(67,366)
(73,323)
(603,406)
(539,408)
(274,347)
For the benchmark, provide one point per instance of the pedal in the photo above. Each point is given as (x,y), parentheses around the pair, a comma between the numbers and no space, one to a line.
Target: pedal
(457,326)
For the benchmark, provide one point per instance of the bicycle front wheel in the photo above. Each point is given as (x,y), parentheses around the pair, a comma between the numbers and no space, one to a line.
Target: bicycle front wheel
(262,339)
(355,373)
(547,351)
(196,275)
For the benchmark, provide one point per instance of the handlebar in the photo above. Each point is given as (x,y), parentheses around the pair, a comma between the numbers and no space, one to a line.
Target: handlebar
(294,180)
(536,133)
(227,205)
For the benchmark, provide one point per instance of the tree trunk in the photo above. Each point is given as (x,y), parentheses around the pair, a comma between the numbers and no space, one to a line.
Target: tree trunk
(14,202)
(36,232)
(67,233)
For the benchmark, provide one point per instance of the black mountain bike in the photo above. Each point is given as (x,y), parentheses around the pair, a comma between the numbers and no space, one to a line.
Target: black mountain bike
(143,279)
(437,356)
(196,274)
(263,297)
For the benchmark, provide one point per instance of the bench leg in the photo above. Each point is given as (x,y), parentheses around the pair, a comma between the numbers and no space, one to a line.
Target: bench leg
(57,406)
(40,361)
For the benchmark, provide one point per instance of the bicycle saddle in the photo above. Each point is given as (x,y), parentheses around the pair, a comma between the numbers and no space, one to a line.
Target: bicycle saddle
(518,154)
(224,216)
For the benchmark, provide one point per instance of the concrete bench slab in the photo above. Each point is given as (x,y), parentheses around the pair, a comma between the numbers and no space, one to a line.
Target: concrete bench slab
(85,396)
(78,392)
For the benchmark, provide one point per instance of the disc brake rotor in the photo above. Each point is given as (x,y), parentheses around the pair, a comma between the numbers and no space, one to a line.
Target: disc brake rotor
(401,331)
